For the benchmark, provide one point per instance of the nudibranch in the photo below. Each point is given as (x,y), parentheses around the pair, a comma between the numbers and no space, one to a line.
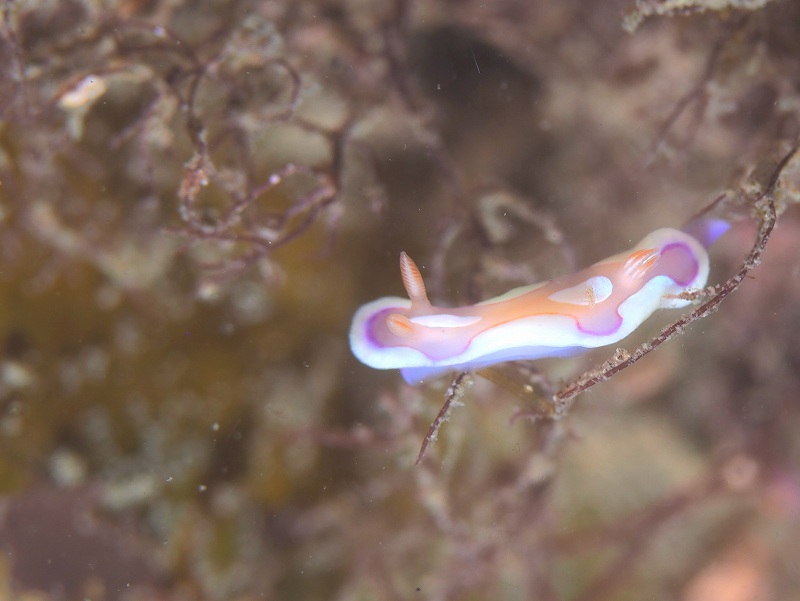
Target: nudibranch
(594,307)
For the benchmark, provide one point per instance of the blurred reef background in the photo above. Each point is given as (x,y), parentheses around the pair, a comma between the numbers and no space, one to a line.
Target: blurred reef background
(195,197)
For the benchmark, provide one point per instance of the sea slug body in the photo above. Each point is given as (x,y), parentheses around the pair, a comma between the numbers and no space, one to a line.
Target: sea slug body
(594,307)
